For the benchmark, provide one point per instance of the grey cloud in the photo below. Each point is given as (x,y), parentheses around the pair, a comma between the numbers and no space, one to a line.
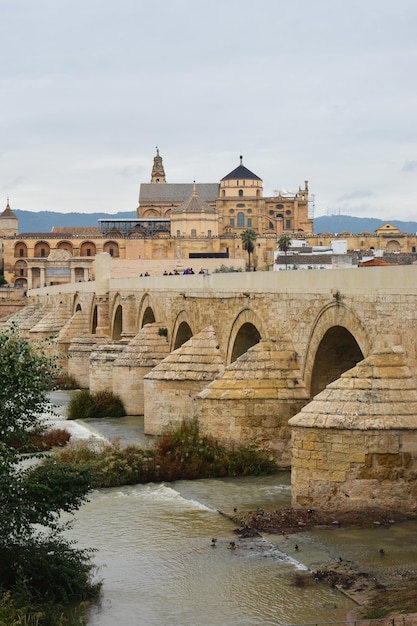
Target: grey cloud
(354,195)
(409,166)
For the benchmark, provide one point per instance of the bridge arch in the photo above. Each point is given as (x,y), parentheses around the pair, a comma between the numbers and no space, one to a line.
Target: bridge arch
(146,311)
(247,330)
(181,332)
(117,324)
(338,340)
(94,318)
(76,304)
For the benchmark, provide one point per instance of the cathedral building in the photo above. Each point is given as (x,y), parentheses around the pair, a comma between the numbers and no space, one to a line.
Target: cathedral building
(237,199)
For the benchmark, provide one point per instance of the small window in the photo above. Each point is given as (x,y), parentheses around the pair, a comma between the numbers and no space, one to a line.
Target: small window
(280,207)
(240,206)
(240,193)
(271,212)
(288,212)
(88,251)
(43,252)
(111,252)
(249,211)
(178,233)
(271,226)
(249,222)
(193,232)
(231,211)
(22,272)
(232,222)
(209,233)
(413,249)
(21,252)
(287,224)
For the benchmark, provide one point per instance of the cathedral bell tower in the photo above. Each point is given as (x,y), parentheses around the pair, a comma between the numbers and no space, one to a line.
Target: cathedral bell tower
(158,172)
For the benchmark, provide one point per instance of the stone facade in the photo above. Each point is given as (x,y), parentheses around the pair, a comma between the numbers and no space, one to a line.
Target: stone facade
(140,356)
(171,387)
(252,400)
(355,445)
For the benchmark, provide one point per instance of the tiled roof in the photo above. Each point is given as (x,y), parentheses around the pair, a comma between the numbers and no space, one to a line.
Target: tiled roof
(199,358)
(240,173)
(90,231)
(378,393)
(176,192)
(8,212)
(194,204)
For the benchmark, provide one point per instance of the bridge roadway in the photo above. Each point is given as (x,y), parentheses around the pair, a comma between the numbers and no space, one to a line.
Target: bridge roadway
(334,318)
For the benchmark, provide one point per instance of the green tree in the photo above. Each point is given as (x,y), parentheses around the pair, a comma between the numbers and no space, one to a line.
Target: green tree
(284,244)
(35,560)
(248,240)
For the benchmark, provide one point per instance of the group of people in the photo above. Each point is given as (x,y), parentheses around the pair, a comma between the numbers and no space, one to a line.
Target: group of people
(188,270)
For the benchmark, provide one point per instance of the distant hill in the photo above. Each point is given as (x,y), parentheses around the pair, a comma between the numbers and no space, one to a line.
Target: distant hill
(354,225)
(44,221)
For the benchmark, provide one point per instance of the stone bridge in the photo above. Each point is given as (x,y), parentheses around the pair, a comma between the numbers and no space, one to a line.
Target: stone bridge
(243,352)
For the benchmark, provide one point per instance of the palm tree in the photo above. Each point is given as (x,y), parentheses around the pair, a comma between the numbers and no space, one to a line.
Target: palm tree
(248,237)
(284,243)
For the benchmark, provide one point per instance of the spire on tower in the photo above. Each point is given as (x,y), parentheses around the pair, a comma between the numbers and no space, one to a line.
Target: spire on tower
(158,172)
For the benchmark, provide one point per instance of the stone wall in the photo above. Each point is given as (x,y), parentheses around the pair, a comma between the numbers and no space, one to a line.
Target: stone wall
(355,445)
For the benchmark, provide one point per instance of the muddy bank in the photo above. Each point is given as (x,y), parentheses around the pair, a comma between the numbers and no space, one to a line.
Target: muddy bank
(378,591)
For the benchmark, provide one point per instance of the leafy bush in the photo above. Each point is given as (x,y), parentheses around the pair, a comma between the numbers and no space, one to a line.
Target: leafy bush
(86,405)
(110,464)
(55,438)
(21,609)
(180,453)
(39,570)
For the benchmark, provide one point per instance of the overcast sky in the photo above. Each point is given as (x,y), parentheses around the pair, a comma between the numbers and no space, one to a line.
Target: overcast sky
(317,90)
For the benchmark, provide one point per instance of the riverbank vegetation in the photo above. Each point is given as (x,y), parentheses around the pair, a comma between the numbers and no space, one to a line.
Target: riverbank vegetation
(182,452)
(40,572)
(85,405)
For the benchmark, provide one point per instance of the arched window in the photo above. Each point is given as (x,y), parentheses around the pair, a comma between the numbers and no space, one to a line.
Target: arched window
(240,192)
(240,220)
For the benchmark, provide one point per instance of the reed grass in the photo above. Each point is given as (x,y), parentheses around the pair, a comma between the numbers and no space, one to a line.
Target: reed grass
(180,453)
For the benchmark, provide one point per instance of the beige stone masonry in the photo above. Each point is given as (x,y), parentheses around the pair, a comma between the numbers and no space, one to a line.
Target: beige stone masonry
(171,387)
(252,400)
(355,444)
(101,365)
(144,352)
(79,357)
(50,324)
(27,318)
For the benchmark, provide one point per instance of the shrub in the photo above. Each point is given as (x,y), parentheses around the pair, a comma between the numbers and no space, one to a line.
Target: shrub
(66,381)
(86,405)
(110,464)
(180,453)
(55,438)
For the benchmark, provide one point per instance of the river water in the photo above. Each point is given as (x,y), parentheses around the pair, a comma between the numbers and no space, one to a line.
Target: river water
(159,567)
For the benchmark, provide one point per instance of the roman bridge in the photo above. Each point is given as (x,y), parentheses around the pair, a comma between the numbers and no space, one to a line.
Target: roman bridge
(256,357)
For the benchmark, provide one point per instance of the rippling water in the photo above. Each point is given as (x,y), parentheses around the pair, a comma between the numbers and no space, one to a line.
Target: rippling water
(158,566)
